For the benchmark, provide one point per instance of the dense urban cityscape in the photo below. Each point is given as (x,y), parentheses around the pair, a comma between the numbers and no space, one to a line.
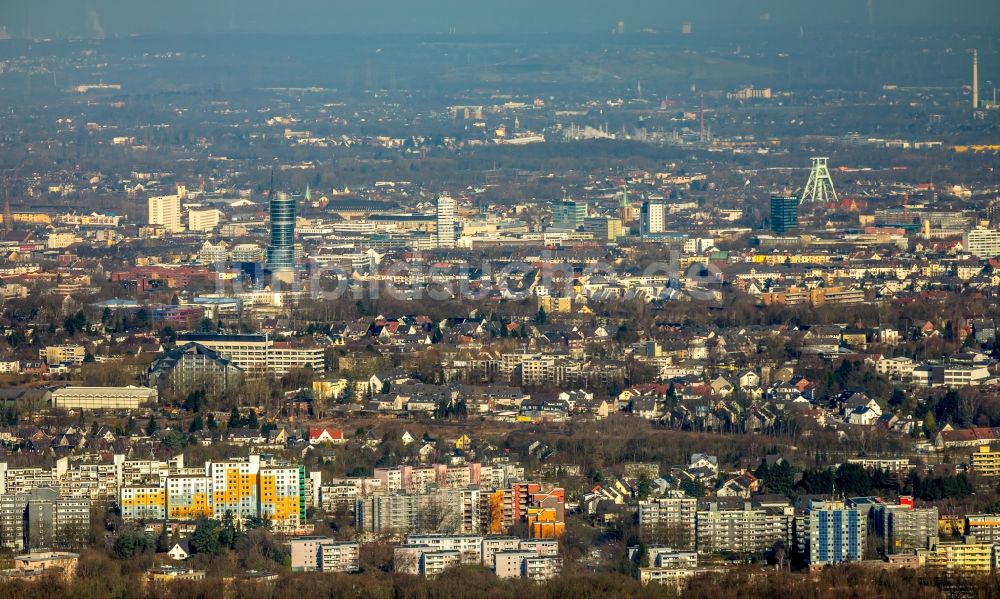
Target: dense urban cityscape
(646,311)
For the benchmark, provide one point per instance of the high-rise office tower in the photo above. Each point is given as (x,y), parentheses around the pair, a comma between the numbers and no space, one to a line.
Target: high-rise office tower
(281,252)
(784,213)
(446,222)
(653,218)
(568,214)
(165,211)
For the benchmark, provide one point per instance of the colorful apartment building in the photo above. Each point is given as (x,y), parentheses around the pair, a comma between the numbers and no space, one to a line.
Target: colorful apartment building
(234,487)
(521,498)
(246,488)
(544,523)
(792,258)
(143,502)
(546,517)
(833,532)
(498,511)
(188,497)
(283,495)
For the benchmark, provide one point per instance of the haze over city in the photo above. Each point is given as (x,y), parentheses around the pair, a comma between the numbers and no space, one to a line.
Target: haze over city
(527,299)
(101,18)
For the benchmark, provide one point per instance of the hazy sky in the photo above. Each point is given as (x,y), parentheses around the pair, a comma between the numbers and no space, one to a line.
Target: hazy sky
(95,18)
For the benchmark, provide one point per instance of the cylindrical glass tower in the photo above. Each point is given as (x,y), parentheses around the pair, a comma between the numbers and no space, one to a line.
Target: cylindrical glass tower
(281,252)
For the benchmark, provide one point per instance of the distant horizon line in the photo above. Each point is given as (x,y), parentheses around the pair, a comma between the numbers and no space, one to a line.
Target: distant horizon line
(650,33)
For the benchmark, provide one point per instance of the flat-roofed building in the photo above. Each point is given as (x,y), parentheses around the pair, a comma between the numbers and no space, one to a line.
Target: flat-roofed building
(144,502)
(671,519)
(204,220)
(494,545)
(102,398)
(235,486)
(188,497)
(739,527)
(63,354)
(832,533)
(259,354)
(469,546)
(970,555)
(173,573)
(165,211)
(604,228)
(433,563)
(982,243)
(282,494)
(985,461)
(984,527)
(674,577)
(42,518)
(510,564)
(899,368)
(324,554)
(541,568)
(62,563)
(903,527)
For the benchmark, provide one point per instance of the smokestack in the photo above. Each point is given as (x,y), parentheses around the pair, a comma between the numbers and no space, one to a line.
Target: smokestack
(975,79)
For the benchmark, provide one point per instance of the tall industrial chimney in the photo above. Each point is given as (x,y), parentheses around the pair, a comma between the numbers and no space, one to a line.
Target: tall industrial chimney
(975,79)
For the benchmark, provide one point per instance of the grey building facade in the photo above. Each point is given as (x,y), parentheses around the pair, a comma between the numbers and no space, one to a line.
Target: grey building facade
(42,519)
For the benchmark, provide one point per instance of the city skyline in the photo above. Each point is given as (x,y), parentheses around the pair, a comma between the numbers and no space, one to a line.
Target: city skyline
(663,298)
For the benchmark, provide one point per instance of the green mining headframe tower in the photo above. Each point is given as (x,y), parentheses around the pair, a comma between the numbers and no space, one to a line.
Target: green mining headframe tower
(819,187)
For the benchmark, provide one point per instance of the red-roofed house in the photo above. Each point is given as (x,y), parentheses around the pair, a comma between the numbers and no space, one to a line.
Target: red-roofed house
(967,437)
(326,435)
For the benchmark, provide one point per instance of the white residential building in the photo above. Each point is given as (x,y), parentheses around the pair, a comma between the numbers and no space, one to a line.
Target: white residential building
(165,211)
(899,368)
(982,243)
(204,220)
(260,354)
(324,554)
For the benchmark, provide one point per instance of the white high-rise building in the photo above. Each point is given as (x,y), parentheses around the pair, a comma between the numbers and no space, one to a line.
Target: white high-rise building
(166,212)
(446,222)
(203,220)
(982,243)
(653,219)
